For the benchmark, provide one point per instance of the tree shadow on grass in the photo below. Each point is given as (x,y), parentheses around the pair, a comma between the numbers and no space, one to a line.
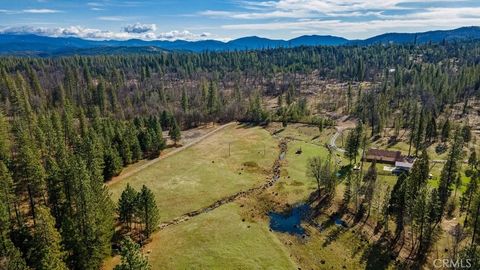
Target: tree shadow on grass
(377,256)
(333,235)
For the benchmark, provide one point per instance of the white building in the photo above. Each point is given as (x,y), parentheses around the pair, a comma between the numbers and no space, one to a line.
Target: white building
(404,165)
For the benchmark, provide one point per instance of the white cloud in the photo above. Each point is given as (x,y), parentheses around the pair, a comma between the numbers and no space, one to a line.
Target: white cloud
(255,15)
(184,35)
(30,11)
(41,11)
(95,4)
(353,18)
(363,29)
(139,28)
(97,34)
(301,9)
(112,18)
(71,31)
(306,8)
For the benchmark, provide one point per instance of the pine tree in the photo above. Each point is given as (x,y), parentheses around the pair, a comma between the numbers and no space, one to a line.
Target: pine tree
(351,148)
(29,173)
(88,228)
(472,159)
(6,189)
(470,195)
(132,258)
(10,256)
(450,170)
(156,135)
(113,163)
(397,203)
(5,142)
(165,120)
(349,98)
(212,98)
(131,138)
(384,211)
(445,135)
(147,211)
(431,130)
(370,181)
(353,143)
(419,134)
(126,206)
(184,100)
(47,251)
(347,194)
(467,133)
(101,97)
(175,133)
(474,222)
(290,94)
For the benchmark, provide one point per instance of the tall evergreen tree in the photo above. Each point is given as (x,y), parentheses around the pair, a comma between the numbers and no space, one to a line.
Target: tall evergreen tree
(88,229)
(5,142)
(147,211)
(113,163)
(450,170)
(212,98)
(445,134)
(29,173)
(174,132)
(10,256)
(184,100)
(47,248)
(126,206)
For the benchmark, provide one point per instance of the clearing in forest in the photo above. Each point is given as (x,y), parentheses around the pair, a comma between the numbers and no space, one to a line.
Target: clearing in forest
(234,159)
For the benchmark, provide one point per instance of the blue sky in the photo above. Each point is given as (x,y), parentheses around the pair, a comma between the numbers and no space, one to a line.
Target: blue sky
(228,19)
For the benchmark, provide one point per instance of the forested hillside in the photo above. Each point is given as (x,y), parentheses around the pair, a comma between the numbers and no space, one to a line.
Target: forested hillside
(69,124)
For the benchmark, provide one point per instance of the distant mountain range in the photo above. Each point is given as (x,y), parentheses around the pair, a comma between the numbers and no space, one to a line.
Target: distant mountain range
(34,45)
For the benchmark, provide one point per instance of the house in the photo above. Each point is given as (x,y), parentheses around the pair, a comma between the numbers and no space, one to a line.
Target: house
(404,165)
(401,163)
(383,156)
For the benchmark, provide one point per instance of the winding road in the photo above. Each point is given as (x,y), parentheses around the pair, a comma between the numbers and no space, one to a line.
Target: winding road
(334,138)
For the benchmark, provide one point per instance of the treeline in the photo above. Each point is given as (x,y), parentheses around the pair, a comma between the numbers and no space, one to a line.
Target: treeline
(213,86)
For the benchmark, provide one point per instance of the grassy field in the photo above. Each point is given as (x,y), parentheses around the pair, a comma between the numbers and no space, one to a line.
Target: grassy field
(218,240)
(294,186)
(204,173)
(303,132)
(237,235)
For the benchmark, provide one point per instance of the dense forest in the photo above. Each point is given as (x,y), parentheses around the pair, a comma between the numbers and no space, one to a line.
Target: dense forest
(69,124)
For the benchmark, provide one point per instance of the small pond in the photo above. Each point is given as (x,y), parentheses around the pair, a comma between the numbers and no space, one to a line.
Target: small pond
(289,222)
(340,222)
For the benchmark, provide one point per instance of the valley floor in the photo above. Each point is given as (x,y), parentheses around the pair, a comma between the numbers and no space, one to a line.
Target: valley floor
(236,235)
